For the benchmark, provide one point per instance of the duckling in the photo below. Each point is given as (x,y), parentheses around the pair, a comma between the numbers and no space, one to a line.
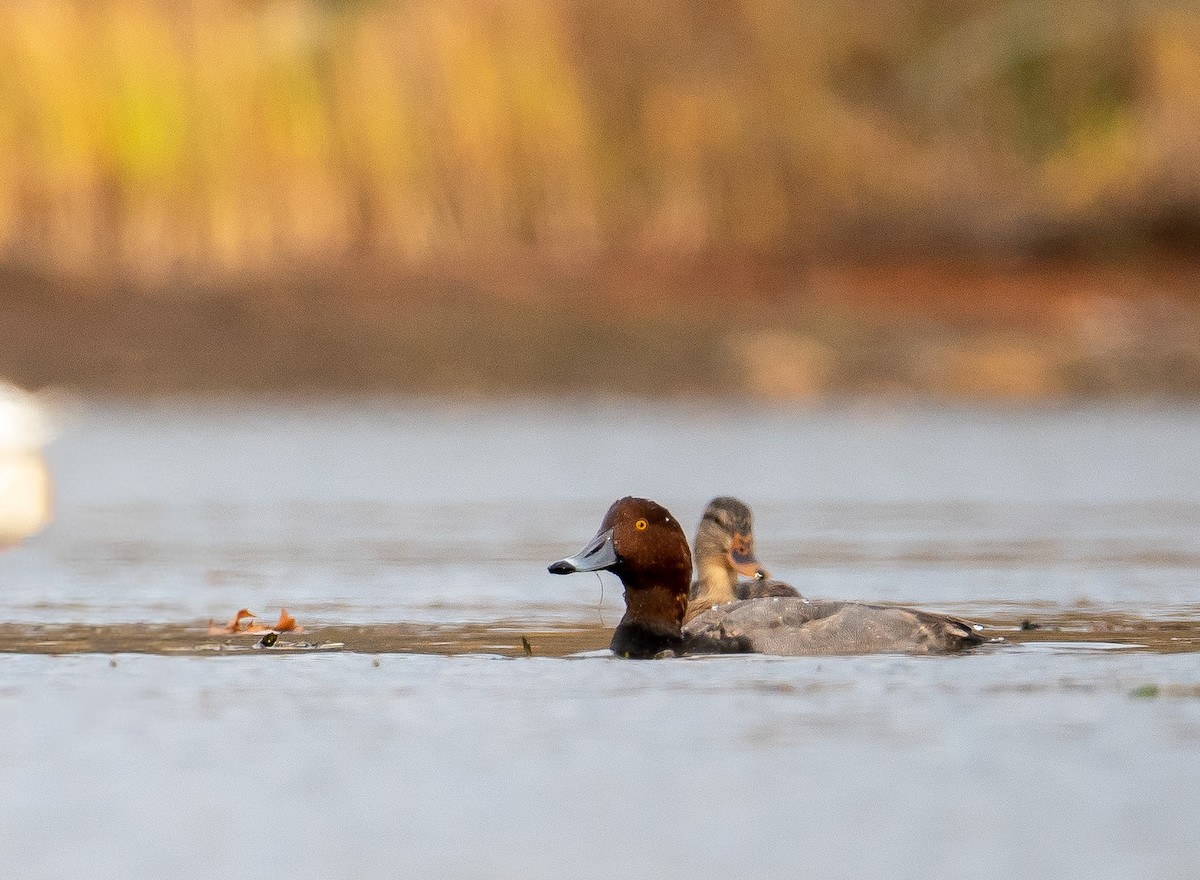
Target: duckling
(724,549)
(644,545)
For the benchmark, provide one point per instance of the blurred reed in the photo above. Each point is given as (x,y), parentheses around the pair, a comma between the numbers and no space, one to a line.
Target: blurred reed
(156,139)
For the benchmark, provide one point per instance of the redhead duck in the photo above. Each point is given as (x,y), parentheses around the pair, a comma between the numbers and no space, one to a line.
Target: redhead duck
(643,544)
(724,549)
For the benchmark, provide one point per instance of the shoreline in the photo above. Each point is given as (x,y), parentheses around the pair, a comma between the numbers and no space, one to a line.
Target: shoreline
(1056,627)
(765,329)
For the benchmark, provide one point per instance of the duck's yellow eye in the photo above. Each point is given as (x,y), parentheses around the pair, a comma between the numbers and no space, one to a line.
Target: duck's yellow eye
(640,525)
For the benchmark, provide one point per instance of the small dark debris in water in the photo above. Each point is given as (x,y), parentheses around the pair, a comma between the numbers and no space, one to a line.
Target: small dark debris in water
(1027,625)
(375,662)
(1146,690)
(526,647)
(112,662)
(268,640)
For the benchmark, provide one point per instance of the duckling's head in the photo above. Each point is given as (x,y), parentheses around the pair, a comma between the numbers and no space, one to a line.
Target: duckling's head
(726,538)
(643,544)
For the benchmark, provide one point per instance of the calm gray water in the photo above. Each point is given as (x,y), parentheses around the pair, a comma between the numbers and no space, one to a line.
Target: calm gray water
(1024,761)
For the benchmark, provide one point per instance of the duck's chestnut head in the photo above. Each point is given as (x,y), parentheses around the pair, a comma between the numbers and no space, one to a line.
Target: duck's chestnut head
(640,541)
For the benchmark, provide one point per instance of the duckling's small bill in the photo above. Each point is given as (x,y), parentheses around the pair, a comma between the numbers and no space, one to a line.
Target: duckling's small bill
(598,555)
(743,560)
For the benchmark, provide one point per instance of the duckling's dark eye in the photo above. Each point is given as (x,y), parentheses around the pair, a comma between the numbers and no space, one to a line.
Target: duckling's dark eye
(640,525)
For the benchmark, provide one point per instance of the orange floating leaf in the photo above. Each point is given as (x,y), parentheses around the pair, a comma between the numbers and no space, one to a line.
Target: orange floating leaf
(233,626)
(287,623)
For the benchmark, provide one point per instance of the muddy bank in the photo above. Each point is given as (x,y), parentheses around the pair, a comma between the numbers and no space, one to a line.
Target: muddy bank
(731,324)
(508,638)
(194,639)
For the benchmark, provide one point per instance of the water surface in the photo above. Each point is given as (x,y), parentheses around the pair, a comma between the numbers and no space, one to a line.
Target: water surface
(1072,756)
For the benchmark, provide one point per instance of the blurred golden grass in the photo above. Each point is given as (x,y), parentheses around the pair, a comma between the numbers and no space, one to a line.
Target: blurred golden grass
(158,139)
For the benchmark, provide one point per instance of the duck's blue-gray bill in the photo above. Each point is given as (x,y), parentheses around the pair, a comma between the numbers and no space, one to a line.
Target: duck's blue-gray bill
(598,555)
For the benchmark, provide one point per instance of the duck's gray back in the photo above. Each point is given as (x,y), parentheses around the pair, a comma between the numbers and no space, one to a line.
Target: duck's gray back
(797,627)
(763,589)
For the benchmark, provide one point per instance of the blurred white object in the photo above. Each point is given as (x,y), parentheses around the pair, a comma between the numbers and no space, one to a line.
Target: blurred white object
(24,480)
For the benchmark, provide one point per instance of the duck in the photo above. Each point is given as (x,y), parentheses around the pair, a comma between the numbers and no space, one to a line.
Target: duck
(644,545)
(723,549)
